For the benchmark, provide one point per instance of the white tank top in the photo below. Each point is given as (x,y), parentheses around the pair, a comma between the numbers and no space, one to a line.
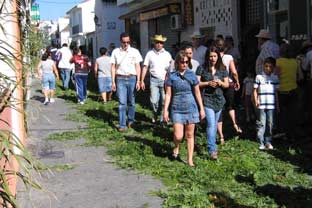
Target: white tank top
(47,66)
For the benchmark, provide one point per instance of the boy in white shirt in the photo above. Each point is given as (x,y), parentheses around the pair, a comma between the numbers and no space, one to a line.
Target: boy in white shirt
(265,98)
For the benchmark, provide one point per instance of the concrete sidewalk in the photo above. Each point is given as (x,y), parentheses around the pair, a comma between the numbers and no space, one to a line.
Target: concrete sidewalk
(93,182)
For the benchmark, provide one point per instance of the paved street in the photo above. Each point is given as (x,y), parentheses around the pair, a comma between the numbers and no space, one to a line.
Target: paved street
(94,181)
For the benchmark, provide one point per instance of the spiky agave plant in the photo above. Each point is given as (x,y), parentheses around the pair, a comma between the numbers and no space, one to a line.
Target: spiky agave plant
(12,151)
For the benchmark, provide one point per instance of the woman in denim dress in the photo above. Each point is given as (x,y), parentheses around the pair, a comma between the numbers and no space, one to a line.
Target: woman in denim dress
(182,92)
(212,78)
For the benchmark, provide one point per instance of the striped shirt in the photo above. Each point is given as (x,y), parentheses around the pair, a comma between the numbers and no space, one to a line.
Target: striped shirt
(266,86)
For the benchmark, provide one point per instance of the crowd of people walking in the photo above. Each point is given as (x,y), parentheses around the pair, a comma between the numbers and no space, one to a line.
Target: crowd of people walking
(198,83)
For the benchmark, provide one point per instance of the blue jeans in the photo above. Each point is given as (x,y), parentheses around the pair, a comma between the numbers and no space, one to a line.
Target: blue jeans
(212,118)
(265,125)
(65,76)
(126,98)
(81,86)
(157,95)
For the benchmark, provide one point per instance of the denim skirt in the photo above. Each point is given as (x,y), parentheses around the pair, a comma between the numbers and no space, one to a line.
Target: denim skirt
(184,109)
(185,118)
(105,84)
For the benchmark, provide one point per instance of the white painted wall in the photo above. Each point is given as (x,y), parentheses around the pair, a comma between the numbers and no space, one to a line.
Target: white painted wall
(87,12)
(8,35)
(64,29)
(222,15)
(83,15)
(63,22)
(109,25)
(65,36)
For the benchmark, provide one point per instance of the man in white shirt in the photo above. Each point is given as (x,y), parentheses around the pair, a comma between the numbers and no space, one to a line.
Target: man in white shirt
(199,50)
(193,64)
(157,61)
(64,65)
(126,73)
(267,48)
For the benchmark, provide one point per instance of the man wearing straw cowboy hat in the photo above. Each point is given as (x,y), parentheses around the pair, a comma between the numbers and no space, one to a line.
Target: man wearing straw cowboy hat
(199,50)
(267,49)
(157,61)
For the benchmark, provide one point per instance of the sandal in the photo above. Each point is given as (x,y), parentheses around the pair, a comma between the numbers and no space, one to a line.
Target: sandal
(237,129)
(214,156)
(176,157)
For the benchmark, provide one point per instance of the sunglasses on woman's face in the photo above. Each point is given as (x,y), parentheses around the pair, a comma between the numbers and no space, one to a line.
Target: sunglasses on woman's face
(184,62)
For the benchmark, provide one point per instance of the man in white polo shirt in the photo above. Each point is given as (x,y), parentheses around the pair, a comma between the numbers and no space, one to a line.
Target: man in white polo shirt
(199,51)
(64,65)
(126,73)
(157,61)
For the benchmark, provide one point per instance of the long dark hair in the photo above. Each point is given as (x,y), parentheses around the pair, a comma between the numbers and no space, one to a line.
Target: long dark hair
(219,64)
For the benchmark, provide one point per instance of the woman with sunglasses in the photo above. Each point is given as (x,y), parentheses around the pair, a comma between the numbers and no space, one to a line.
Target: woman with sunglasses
(182,92)
(212,77)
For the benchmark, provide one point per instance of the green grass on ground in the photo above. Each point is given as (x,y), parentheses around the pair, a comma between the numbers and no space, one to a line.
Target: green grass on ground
(243,176)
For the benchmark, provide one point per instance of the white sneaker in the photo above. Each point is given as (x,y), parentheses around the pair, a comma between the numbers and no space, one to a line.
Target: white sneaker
(269,146)
(52,100)
(46,102)
(261,147)
(81,103)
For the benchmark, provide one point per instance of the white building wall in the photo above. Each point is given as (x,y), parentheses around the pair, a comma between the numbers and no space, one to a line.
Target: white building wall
(109,26)
(63,28)
(65,37)
(87,15)
(83,15)
(220,16)
(8,35)
(63,22)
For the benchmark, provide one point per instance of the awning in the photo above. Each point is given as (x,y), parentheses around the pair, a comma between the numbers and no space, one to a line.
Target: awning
(150,7)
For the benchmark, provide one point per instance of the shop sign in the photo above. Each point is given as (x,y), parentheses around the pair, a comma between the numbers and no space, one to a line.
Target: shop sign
(174,9)
(170,9)
(154,14)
